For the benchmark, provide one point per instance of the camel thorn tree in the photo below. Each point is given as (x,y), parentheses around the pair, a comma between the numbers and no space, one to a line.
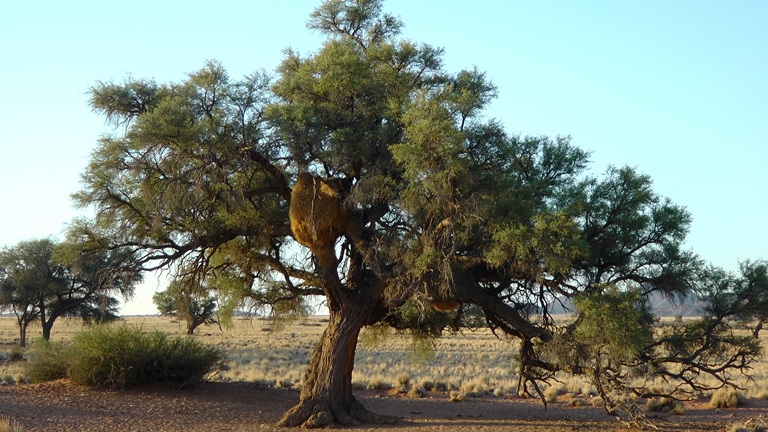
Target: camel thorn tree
(365,173)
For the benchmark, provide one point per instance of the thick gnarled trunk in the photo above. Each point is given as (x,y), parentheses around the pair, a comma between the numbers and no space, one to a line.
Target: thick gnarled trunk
(326,392)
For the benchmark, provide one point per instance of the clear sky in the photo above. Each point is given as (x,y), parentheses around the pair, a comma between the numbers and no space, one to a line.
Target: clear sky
(677,89)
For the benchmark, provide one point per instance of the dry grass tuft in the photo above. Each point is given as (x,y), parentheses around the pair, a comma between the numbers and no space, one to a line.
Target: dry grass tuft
(9,425)
(378,383)
(727,398)
(664,405)
(457,396)
(416,392)
(552,392)
(755,424)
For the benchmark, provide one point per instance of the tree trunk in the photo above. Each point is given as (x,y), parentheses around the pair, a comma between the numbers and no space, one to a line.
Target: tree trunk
(326,392)
(47,326)
(23,333)
(756,330)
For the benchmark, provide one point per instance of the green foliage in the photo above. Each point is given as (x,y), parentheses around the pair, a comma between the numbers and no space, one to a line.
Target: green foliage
(47,280)
(752,287)
(440,204)
(613,328)
(684,341)
(121,356)
(28,277)
(472,317)
(47,361)
(613,324)
(16,355)
(420,319)
(188,301)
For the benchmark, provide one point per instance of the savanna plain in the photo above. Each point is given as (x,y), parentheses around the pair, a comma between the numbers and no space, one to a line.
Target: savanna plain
(466,381)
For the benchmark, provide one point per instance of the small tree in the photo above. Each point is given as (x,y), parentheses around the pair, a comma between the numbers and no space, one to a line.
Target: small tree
(752,286)
(27,277)
(43,280)
(189,302)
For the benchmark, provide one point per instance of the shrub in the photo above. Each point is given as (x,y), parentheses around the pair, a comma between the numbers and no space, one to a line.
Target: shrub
(726,398)
(16,355)
(47,361)
(664,405)
(121,356)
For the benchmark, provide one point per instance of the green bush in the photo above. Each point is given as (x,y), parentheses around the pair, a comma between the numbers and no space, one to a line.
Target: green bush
(47,361)
(121,356)
(16,355)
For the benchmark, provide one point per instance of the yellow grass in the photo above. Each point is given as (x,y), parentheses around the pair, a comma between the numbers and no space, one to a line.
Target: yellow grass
(474,363)
(9,425)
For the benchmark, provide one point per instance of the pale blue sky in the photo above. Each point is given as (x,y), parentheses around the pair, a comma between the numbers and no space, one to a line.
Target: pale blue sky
(677,89)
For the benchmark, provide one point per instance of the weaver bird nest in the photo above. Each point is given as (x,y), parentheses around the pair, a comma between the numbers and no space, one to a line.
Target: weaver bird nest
(318,217)
(317,212)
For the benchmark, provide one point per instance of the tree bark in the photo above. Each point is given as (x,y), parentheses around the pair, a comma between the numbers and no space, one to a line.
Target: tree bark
(326,391)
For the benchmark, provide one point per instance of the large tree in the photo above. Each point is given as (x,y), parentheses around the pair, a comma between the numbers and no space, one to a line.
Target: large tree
(365,173)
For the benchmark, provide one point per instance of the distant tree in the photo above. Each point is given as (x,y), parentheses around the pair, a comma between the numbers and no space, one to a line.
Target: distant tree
(367,174)
(92,276)
(43,280)
(188,302)
(752,285)
(27,277)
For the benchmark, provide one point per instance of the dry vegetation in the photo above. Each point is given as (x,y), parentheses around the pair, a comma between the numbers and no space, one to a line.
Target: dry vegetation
(470,364)
(473,364)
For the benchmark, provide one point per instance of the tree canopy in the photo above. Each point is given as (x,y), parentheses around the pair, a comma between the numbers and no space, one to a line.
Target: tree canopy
(190,302)
(367,174)
(45,280)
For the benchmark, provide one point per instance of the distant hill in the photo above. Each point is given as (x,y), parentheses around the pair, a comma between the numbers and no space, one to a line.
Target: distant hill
(661,306)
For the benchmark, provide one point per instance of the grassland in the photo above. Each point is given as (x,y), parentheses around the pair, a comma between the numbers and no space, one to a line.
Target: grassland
(470,364)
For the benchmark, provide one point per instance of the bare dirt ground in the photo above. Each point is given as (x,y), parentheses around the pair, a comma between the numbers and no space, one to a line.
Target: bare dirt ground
(61,406)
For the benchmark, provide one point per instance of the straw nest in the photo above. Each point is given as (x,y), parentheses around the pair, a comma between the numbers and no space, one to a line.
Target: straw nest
(317,212)
(444,305)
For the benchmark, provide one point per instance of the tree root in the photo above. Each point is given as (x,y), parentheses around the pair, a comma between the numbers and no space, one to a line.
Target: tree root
(316,413)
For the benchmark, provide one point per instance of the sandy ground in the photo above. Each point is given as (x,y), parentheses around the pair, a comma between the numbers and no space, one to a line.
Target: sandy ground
(61,406)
